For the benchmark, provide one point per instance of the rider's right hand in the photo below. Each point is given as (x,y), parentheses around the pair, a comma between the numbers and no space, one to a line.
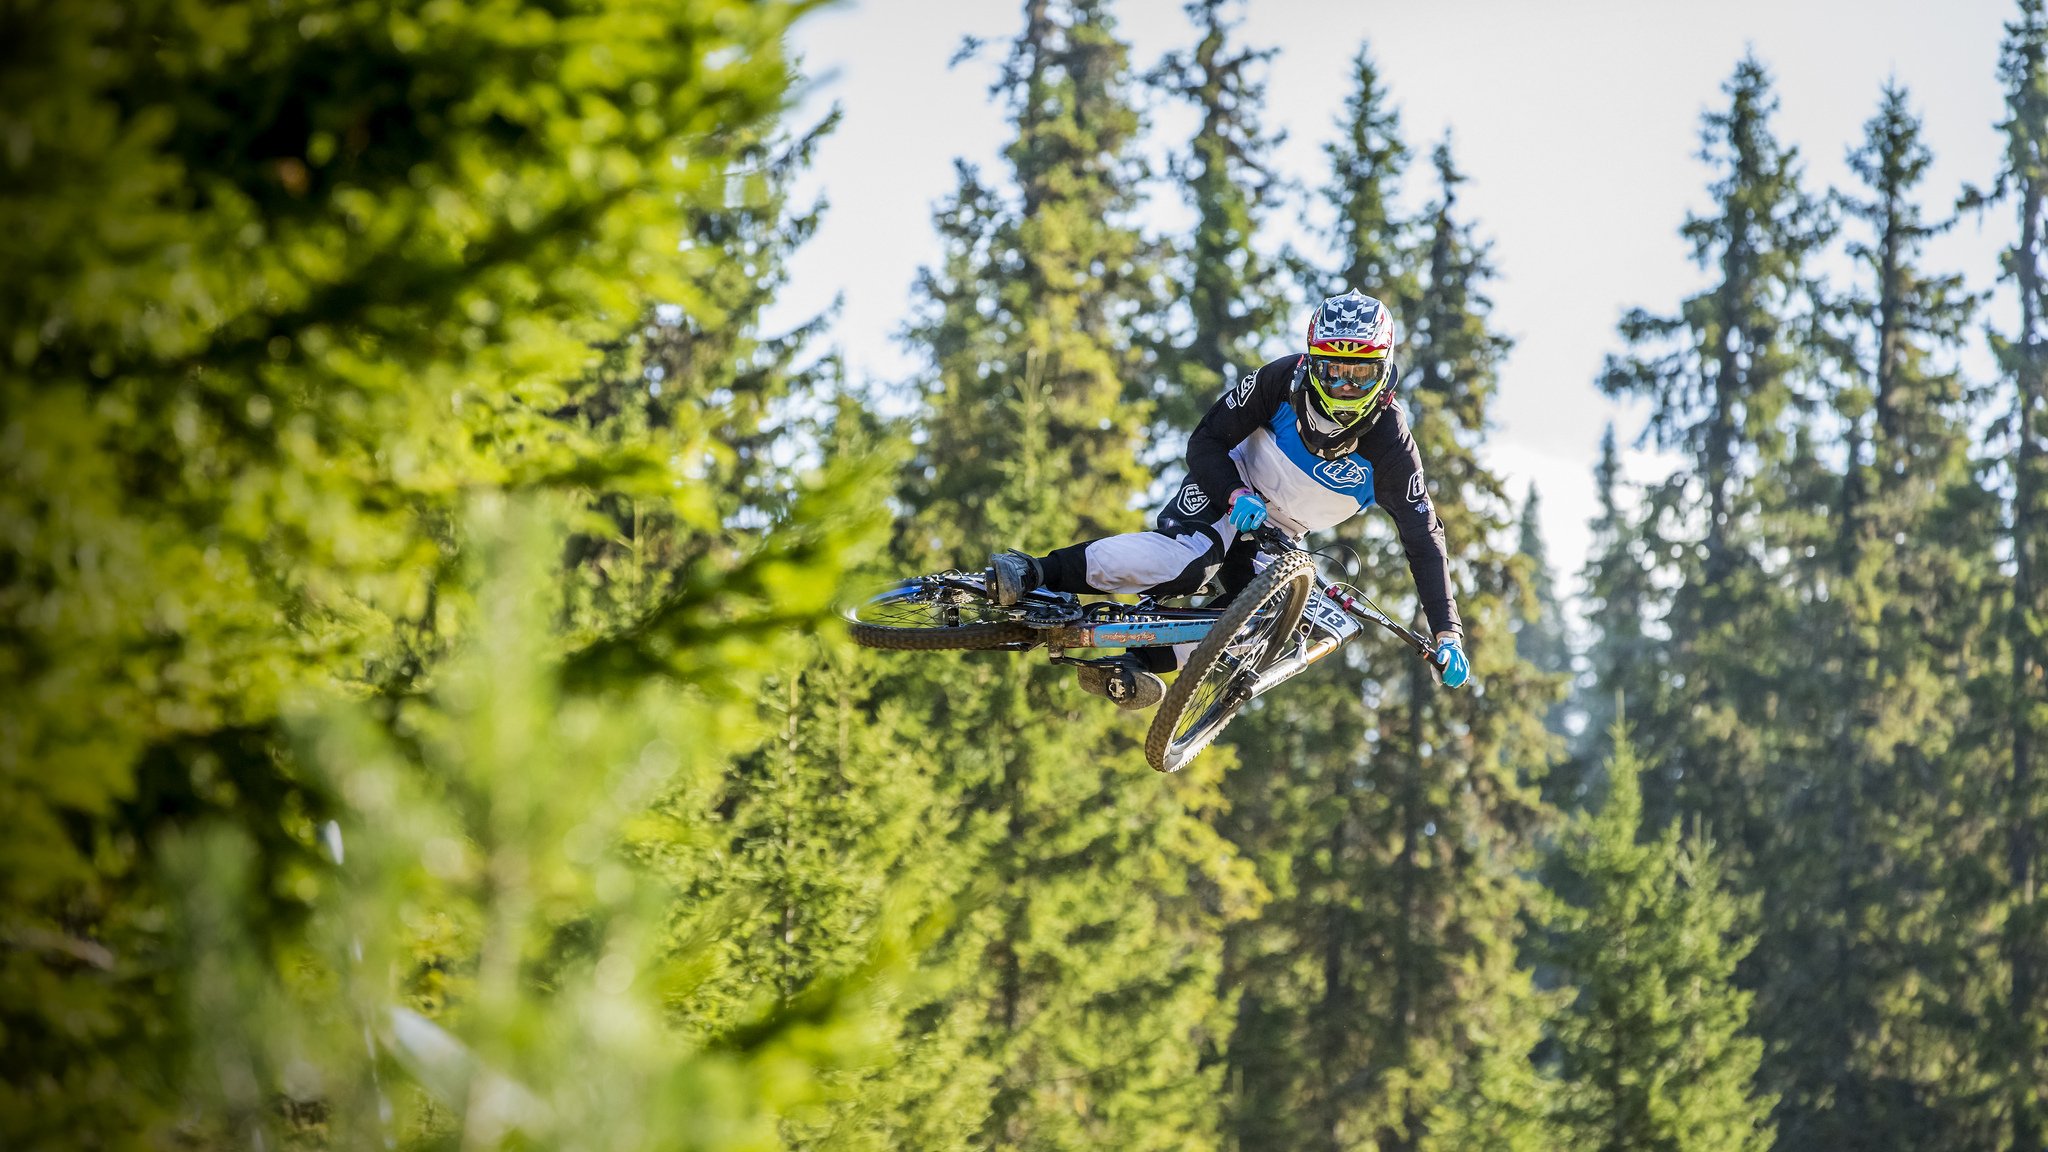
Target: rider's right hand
(1247,511)
(1452,667)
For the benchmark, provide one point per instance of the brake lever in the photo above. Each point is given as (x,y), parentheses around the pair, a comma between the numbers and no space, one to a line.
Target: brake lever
(1272,540)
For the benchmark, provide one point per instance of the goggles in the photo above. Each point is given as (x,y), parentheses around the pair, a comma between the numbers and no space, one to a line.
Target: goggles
(1349,379)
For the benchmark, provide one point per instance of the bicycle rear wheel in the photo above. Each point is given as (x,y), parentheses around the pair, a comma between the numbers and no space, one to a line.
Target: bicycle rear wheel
(935,613)
(1218,676)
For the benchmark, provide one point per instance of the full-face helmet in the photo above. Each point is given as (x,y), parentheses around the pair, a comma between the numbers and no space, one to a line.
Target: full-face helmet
(1350,364)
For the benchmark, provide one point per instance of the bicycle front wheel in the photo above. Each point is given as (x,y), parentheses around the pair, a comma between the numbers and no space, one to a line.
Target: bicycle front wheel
(1219,674)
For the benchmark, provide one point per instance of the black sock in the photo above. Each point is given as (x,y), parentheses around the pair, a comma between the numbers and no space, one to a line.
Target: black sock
(1066,569)
(1157,659)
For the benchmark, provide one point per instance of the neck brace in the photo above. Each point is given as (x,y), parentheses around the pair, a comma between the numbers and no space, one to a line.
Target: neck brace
(1324,436)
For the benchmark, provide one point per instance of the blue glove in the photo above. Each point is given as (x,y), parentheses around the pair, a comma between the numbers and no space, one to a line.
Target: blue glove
(1452,667)
(1247,511)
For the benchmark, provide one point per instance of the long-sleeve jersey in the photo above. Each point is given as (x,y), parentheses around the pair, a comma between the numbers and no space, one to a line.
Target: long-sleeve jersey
(1251,437)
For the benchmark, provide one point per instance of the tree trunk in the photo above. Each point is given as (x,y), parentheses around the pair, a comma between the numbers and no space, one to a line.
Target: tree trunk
(2029,524)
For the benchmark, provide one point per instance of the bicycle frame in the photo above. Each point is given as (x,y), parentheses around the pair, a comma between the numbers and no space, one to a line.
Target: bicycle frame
(1142,626)
(1335,613)
(954,611)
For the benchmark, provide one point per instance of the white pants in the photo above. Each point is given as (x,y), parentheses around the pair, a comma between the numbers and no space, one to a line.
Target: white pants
(1173,561)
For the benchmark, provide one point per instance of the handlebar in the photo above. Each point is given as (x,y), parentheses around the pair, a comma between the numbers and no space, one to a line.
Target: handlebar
(1349,599)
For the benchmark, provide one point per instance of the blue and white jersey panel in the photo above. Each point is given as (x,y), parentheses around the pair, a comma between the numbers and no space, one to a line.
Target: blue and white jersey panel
(1304,492)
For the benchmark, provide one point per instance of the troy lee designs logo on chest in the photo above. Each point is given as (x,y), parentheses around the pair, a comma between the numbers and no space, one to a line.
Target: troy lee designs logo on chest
(1342,473)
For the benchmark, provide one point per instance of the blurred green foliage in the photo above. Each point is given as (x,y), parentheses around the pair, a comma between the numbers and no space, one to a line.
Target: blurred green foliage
(294,293)
(493,931)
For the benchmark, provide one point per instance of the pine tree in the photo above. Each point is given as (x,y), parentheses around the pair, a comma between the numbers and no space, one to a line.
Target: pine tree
(1366,166)
(1382,1001)
(1234,302)
(1651,1050)
(1856,980)
(1723,381)
(2016,1048)
(705,384)
(268,333)
(1621,655)
(1461,768)
(1539,627)
(486,955)
(1385,970)
(1092,930)
(1028,315)
(1293,747)
(1304,806)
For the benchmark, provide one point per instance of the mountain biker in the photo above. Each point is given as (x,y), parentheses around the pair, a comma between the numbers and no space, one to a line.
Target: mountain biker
(1304,443)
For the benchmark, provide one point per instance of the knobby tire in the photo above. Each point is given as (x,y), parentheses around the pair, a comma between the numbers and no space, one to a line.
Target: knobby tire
(1287,581)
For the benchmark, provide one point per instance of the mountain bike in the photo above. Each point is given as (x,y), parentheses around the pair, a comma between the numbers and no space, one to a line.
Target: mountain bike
(1288,617)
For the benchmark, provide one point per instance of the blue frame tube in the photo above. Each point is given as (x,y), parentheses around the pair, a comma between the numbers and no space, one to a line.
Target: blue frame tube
(1149,633)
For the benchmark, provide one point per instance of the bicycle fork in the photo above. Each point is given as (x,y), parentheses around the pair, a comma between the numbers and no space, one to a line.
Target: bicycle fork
(1324,627)
(1333,616)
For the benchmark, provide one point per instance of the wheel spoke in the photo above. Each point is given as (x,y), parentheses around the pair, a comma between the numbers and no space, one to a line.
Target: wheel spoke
(1196,715)
(949,611)
(1253,633)
(1231,666)
(929,605)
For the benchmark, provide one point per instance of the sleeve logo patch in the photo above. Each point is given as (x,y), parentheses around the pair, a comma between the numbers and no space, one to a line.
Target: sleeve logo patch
(1417,495)
(1243,392)
(1192,500)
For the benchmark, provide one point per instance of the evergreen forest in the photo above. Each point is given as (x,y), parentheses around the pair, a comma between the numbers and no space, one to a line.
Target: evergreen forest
(426,719)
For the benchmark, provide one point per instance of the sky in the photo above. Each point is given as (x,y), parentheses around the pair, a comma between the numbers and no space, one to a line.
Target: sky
(1577,124)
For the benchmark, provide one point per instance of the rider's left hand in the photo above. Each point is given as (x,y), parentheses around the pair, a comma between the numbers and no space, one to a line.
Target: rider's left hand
(1452,667)
(1247,511)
